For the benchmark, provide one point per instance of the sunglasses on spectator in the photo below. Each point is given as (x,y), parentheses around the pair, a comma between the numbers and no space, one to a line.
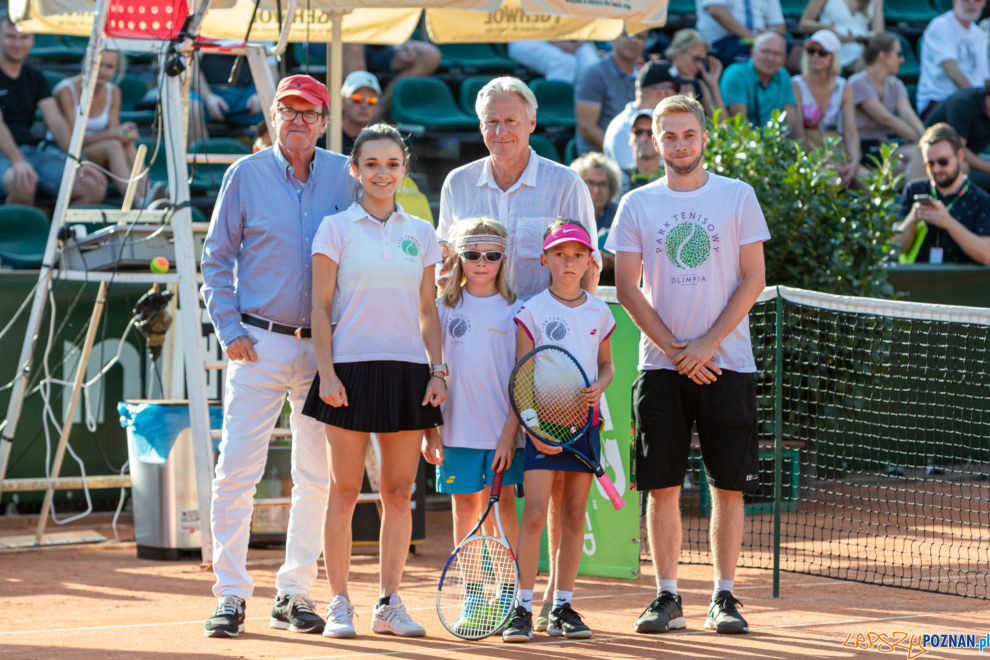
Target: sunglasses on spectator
(358,98)
(941,162)
(308,116)
(698,59)
(475,255)
(817,52)
(640,132)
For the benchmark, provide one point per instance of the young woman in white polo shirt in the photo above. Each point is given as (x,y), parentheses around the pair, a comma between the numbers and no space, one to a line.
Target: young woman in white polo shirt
(480,432)
(380,372)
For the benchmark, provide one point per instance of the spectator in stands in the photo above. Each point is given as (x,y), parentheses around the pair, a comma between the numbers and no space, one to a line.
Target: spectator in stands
(947,218)
(235,104)
(953,55)
(851,20)
(826,101)
(883,109)
(647,168)
(656,81)
(759,86)
(731,26)
(25,165)
(602,177)
(604,89)
(968,112)
(688,53)
(413,58)
(262,138)
(555,60)
(108,142)
(360,95)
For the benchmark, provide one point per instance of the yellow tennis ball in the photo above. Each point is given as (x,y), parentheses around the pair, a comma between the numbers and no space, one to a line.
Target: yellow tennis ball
(159,265)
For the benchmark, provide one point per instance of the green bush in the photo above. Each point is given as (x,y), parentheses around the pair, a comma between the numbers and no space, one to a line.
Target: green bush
(824,237)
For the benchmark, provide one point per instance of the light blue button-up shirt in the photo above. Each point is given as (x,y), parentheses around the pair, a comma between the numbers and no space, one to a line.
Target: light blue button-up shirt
(257,257)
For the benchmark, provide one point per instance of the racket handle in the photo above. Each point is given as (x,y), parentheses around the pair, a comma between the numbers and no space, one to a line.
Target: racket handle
(497,485)
(610,490)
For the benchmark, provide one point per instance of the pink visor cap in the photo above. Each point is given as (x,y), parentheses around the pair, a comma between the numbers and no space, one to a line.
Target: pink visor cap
(567,234)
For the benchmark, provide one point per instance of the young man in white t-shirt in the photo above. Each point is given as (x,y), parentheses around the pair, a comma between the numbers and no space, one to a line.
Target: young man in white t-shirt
(953,55)
(697,237)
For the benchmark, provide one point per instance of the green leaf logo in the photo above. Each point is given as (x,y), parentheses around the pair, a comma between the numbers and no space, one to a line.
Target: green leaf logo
(688,246)
(409,246)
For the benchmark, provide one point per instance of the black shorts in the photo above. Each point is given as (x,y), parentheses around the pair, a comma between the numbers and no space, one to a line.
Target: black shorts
(665,407)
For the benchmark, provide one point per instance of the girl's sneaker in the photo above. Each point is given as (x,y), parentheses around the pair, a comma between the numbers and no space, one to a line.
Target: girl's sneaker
(564,621)
(394,619)
(340,618)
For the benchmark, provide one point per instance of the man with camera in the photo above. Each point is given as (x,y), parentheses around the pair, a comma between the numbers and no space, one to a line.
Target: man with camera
(947,217)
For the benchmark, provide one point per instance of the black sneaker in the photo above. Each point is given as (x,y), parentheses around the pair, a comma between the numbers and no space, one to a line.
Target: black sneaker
(228,619)
(520,626)
(663,614)
(723,617)
(295,613)
(564,621)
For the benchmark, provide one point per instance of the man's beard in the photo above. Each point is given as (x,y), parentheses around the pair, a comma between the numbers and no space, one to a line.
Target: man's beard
(683,169)
(947,180)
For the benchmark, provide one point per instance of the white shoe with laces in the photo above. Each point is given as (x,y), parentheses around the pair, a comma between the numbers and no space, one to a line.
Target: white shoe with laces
(340,618)
(394,619)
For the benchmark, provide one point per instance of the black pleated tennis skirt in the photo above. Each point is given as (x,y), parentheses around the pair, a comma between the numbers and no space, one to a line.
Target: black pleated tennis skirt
(382,397)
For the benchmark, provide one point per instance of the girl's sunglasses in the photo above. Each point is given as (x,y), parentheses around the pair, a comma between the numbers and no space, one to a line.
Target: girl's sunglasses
(474,255)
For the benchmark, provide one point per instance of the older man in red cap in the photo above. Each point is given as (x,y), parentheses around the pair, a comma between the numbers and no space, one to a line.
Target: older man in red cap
(269,207)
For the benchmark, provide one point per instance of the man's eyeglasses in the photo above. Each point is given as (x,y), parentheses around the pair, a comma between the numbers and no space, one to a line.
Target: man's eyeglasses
(596,184)
(308,116)
(816,52)
(640,132)
(359,98)
(474,255)
(941,162)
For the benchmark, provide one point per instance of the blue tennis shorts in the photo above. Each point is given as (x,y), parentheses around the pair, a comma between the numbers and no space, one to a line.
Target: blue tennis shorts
(565,461)
(467,470)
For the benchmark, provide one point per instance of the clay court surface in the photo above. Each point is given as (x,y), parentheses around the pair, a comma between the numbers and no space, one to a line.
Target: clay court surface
(99,600)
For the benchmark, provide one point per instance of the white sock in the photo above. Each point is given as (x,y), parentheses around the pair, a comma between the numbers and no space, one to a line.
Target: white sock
(667,584)
(525,597)
(561,597)
(722,585)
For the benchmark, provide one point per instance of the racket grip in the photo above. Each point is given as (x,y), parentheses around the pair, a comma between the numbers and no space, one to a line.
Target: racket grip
(497,484)
(610,490)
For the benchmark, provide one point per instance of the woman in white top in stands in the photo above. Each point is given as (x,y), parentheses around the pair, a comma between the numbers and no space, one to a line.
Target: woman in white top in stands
(851,20)
(107,142)
(826,101)
(380,371)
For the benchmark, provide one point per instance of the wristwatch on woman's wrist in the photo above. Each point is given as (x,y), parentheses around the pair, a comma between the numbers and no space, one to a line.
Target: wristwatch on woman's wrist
(439,369)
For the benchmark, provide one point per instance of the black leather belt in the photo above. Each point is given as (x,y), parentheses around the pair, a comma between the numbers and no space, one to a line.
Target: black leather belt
(271,326)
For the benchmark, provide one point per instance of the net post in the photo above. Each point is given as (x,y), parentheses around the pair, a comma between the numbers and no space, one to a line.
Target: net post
(778,453)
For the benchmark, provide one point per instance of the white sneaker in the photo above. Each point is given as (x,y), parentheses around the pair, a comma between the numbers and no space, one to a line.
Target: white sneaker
(340,618)
(393,618)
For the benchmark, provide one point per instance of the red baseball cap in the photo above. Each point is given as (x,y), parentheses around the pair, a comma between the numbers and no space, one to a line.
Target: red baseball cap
(305,87)
(566,234)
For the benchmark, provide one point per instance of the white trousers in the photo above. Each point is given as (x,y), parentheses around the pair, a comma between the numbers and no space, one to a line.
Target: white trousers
(554,63)
(253,397)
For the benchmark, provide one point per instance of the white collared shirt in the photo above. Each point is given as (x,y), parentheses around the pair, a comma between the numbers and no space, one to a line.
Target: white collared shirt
(544,192)
(380,269)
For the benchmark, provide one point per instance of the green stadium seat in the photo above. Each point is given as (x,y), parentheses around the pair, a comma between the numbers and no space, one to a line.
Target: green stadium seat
(426,103)
(793,8)
(556,102)
(53,78)
(911,66)
(544,147)
(680,8)
(570,151)
(474,57)
(54,48)
(207,176)
(307,61)
(158,172)
(23,236)
(909,11)
(132,90)
(468,92)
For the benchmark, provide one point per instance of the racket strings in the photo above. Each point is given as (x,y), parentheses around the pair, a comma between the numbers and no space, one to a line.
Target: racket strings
(479,588)
(550,385)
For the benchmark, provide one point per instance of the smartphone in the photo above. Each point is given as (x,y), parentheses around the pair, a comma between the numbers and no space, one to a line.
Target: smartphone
(924,199)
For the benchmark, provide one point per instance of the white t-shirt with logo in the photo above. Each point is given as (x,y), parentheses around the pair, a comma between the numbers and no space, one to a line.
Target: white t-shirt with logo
(578,330)
(479,347)
(946,39)
(690,246)
(380,269)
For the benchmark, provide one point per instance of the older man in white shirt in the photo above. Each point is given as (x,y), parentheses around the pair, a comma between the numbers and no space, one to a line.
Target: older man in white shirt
(515,186)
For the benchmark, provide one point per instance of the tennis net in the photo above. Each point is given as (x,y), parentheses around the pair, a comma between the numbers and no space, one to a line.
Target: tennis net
(875,444)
